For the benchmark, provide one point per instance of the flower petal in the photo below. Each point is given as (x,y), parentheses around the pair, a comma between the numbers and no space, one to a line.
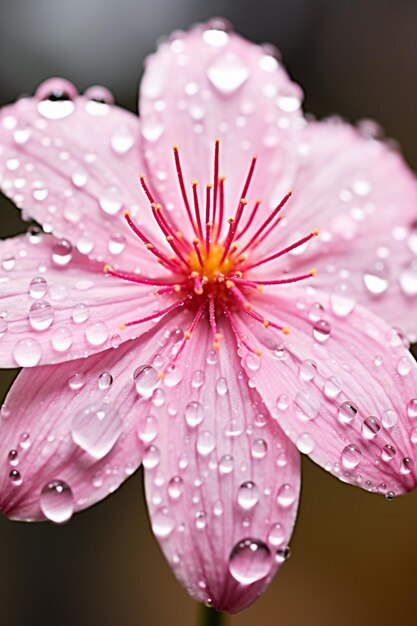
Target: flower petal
(222,480)
(343,389)
(76,423)
(73,166)
(209,83)
(56,305)
(362,197)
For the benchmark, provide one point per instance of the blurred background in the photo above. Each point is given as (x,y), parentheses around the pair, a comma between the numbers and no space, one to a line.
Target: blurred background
(354,555)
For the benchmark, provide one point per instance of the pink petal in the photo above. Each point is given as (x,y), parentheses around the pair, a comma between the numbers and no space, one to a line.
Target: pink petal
(56,305)
(78,423)
(222,480)
(74,166)
(208,83)
(362,197)
(344,390)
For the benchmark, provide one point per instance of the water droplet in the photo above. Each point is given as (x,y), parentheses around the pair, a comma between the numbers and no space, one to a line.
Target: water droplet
(248,495)
(96,428)
(404,365)
(152,127)
(27,352)
(146,379)
(226,464)
(62,339)
(305,443)
(347,412)
(250,560)
(194,414)
(151,457)
(332,387)
(342,299)
(15,477)
(413,436)
(38,288)
(162,523)
(408,279)
(175,487)
(306,405)
(283,402)
(109,201)
(351,456)
(56,109)
(57,502)
(286,496)
(13,457)
(412,408)
(80,313)
(388,452)
(205,442)
(117,243)
(122,140)
(227,73)
(389,418)
(148,429)
(253,362)
(41,315)
(221,386)
(371,427)
(308,369)
(315,312)
(105,380)
(200,520)
(283,554)
(97,333)
(321,331)
(61,252)
(376,278)
(198,379)
(259,448)
(407,465)
(276,535)
(76,381)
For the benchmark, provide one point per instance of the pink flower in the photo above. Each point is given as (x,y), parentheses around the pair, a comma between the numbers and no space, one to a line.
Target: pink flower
(174,356)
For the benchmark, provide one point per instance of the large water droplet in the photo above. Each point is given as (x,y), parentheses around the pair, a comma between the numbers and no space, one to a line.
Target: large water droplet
(57,502)
(287,495)
(146,379)
(227,73)
(342,299)
(307,371)
(305,443)
(162,523)
(175,487)
(97,333)
(194,414)
(151,457)
(408,279)
(109,201)
(96,428)
(205,442)
(38,288)
(248,495)
(41,315)
(226,464)
(122,140)
(62,339)
(321,331)
(250,560)
(61,252)
(351,456)
(27,352)
(371,427)
(347,412)
(376,278)
(412,408)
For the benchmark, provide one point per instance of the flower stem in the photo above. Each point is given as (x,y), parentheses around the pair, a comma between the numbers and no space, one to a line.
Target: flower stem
(209,617)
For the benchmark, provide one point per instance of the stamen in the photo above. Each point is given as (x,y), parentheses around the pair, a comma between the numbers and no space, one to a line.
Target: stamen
(146,189)
(157,314)
(284,329)
(135,278)
(222,180)
(187,336)
(215,178)
(196,244)
(182,186)
(208,223)
(280,281)
(268,220)
(282,252)
(213,324)
(238,332)
(149,245)
(197,209)
(250,220)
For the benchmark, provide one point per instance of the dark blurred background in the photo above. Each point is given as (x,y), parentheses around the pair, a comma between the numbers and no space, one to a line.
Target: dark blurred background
(354,555)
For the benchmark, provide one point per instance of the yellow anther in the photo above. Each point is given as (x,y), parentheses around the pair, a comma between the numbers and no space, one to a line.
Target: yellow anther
(313,271)
(219,336)
(175,147)
(209,185)
(243,201)
(187,335)
(107,268)
(230,284)
(122,327)
(258,352)
(195,274)
(194,183)
(169,238)
(222,178)
(126,213)
(286,330)
(266,323)
(149,246)
(259,288)
(216,345)
(179,234)
(247,306)
(231,220)
(161,375)
(177,288)
(315,232)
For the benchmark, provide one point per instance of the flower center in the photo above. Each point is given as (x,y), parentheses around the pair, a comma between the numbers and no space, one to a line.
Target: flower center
(209,272)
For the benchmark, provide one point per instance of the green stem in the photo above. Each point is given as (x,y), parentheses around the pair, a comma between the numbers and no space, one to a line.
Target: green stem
(209,617)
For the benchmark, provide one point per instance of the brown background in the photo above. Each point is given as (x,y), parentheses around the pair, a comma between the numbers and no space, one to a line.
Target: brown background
(354,555)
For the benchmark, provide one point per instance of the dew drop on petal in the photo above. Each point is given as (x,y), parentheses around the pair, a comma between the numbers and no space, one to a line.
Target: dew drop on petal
(307,371)
(305,443)
(56,501)
(375,278)
(175,487)
(38,288)
(412,408)
(151,457)
(109,201)
(96,428)
(286,495)
(97,333)
(162,523)
(276,535)
(370,427)
(41,315)
(321,331)
(351,456)
(80,313)
(15,477)
(248,495)
(226,464)
(407,465)
(76,381)
(62,339)
(347,412)
(259,448)
(342,300)
(388,452)
(205,442)
(227,73)
(404,365)
(193,414)
(250,560)
(27,352)
(105,380)
(147,429)
(122,140)
(389,418)
(61,252)
(145,378)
